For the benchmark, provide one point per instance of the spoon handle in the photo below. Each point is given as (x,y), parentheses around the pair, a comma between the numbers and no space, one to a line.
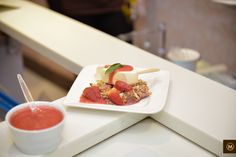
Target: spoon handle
(25,89)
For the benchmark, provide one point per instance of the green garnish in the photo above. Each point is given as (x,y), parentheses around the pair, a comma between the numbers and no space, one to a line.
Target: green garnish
(113,67)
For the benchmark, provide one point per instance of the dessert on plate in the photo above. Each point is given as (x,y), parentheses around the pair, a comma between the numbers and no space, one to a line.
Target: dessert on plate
(117,84)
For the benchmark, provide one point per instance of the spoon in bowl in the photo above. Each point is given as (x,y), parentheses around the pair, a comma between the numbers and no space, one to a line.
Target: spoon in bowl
(26,92)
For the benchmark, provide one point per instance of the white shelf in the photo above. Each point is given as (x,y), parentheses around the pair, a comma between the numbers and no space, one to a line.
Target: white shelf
(226,2)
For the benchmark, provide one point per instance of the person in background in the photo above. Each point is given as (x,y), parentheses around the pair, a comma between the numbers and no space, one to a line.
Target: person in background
(105,15)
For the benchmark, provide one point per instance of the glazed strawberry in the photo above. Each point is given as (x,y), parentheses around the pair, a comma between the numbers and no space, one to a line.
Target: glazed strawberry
(114,96)
(123,86)
(93,94)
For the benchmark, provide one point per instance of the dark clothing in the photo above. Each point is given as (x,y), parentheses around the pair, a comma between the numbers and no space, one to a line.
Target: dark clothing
(113,23)
(90,7)
(104,15)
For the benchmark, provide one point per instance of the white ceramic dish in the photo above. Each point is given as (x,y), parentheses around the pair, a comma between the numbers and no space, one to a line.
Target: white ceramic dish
(37,142)
(158,83)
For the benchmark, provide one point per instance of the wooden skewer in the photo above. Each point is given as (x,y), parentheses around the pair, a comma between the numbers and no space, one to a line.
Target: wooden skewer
(150,70)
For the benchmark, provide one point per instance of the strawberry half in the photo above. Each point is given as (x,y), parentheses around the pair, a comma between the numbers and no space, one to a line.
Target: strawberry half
(114,96)
(93,94)
(123,86)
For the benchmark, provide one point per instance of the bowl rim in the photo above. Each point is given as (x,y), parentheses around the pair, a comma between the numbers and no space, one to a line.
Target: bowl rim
(43,103)
(195,55)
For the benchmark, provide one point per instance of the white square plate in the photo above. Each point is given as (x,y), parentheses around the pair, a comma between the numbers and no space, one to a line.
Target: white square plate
(158,83)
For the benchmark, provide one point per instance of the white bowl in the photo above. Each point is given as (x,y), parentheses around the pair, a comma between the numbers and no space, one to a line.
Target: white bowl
(184,57)
(36,142)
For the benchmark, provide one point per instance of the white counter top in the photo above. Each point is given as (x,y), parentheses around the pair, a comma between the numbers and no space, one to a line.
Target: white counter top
(148,138)
(201,110)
